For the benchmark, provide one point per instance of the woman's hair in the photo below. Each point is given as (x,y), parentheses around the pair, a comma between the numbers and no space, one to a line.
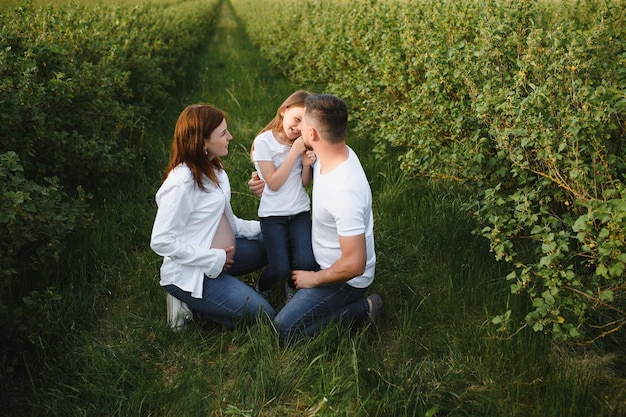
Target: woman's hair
(194,125)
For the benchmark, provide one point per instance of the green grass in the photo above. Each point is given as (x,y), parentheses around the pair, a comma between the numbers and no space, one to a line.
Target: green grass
(433,353)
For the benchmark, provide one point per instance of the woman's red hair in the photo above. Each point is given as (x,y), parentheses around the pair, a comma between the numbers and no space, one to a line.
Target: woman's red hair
(195,124)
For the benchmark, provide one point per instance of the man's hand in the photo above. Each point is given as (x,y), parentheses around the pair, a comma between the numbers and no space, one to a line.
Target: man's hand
(304,279)
(256,184)
(350,264)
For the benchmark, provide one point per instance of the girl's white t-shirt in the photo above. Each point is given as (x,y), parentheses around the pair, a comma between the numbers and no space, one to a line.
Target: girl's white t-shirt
(292,197)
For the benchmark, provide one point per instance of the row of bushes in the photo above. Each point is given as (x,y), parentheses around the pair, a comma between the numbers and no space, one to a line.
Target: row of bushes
(78,85)
(523,103)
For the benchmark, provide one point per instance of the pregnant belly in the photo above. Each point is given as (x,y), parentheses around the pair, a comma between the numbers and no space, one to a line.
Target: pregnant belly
(224,237)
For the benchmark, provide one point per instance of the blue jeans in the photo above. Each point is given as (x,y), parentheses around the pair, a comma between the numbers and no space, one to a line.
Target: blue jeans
(226,299)
(288,245)
(312,308)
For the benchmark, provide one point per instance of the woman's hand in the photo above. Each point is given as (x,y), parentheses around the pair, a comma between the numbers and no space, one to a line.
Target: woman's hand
(229,259)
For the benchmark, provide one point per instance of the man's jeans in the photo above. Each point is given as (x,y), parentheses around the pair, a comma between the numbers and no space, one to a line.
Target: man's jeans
(226,299)
(312,308)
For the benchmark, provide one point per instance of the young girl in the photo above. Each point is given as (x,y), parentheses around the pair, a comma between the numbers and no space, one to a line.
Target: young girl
(196,232)
(284,164)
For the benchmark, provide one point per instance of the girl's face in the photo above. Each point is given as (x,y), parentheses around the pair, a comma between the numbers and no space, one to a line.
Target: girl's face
(217,143)
(292,119)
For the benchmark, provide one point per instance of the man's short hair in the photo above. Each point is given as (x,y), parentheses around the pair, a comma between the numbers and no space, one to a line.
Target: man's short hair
(331,114)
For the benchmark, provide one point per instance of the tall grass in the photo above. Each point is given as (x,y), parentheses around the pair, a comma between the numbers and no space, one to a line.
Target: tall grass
(433,353)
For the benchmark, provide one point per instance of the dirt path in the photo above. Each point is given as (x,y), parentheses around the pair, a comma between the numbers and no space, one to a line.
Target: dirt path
(237,79)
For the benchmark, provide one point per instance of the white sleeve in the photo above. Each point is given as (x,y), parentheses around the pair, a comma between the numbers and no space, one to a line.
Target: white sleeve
(261,150)
(175,206)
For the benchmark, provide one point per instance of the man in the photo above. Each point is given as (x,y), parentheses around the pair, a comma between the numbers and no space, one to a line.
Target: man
(342,231)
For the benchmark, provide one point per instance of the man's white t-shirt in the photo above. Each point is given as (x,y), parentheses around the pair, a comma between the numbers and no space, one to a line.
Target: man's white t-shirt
(342,206)
(291,198)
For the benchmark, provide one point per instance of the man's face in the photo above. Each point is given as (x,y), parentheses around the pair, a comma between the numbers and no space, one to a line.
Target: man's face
(306,131)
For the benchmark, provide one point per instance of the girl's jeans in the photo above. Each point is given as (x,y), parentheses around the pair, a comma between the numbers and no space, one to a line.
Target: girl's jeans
(312,308)
(226,299)
(288,244)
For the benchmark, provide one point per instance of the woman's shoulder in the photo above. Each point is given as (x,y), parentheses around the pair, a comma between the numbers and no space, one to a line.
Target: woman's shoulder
(181,174)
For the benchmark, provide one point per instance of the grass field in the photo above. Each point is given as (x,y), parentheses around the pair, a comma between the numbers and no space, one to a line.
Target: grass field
(434,353)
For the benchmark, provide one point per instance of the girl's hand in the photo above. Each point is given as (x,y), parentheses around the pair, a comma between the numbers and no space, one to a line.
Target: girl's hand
(308,157)
(298,146)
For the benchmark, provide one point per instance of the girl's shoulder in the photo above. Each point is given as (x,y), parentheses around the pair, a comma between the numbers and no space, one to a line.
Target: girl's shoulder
(267,137)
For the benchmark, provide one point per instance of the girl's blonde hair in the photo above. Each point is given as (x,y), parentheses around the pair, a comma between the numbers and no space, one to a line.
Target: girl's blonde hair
(296,99)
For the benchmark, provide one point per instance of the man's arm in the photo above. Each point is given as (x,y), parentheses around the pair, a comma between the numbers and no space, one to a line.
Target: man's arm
(256,184)
(351,264)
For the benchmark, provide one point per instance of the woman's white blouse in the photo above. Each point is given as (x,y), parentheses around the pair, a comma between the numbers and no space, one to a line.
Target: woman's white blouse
(186,222)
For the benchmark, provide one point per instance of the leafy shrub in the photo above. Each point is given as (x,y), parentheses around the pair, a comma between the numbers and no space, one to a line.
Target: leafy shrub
(521,102)
(36,221)
(78,85)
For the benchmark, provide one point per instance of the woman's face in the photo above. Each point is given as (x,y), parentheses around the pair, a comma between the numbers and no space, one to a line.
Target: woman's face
(292,118)
(217,143)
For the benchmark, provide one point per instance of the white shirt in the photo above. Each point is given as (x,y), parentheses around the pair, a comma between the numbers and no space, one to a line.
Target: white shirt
(342,206)
(291,198)
(186,222)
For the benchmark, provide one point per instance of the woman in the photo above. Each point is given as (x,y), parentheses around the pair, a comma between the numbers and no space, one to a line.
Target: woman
(203,244)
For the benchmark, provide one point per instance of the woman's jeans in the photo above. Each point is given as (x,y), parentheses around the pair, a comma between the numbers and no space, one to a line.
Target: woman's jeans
(312,308)
(288,245)
(226,299)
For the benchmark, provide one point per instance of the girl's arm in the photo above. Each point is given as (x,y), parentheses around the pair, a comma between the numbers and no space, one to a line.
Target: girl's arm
(307,167)
(276,177)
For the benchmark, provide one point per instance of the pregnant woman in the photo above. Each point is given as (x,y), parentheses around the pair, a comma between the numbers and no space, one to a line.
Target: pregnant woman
(203,244)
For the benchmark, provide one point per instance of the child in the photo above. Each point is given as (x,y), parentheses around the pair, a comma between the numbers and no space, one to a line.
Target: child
(284,163)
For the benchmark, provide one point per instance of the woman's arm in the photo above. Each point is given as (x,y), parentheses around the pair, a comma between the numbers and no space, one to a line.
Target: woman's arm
(168,237)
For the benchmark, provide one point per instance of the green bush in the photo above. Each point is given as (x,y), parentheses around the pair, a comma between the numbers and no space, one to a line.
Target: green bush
(79,84)
(36,222)
(35,219)
(521,102)
(78,87)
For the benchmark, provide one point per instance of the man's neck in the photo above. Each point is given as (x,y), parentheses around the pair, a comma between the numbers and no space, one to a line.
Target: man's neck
(331,156)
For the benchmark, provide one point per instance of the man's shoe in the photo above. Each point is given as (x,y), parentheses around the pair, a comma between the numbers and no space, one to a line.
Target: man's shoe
(178,314)
(375,304)
(265,294)
(289,292)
